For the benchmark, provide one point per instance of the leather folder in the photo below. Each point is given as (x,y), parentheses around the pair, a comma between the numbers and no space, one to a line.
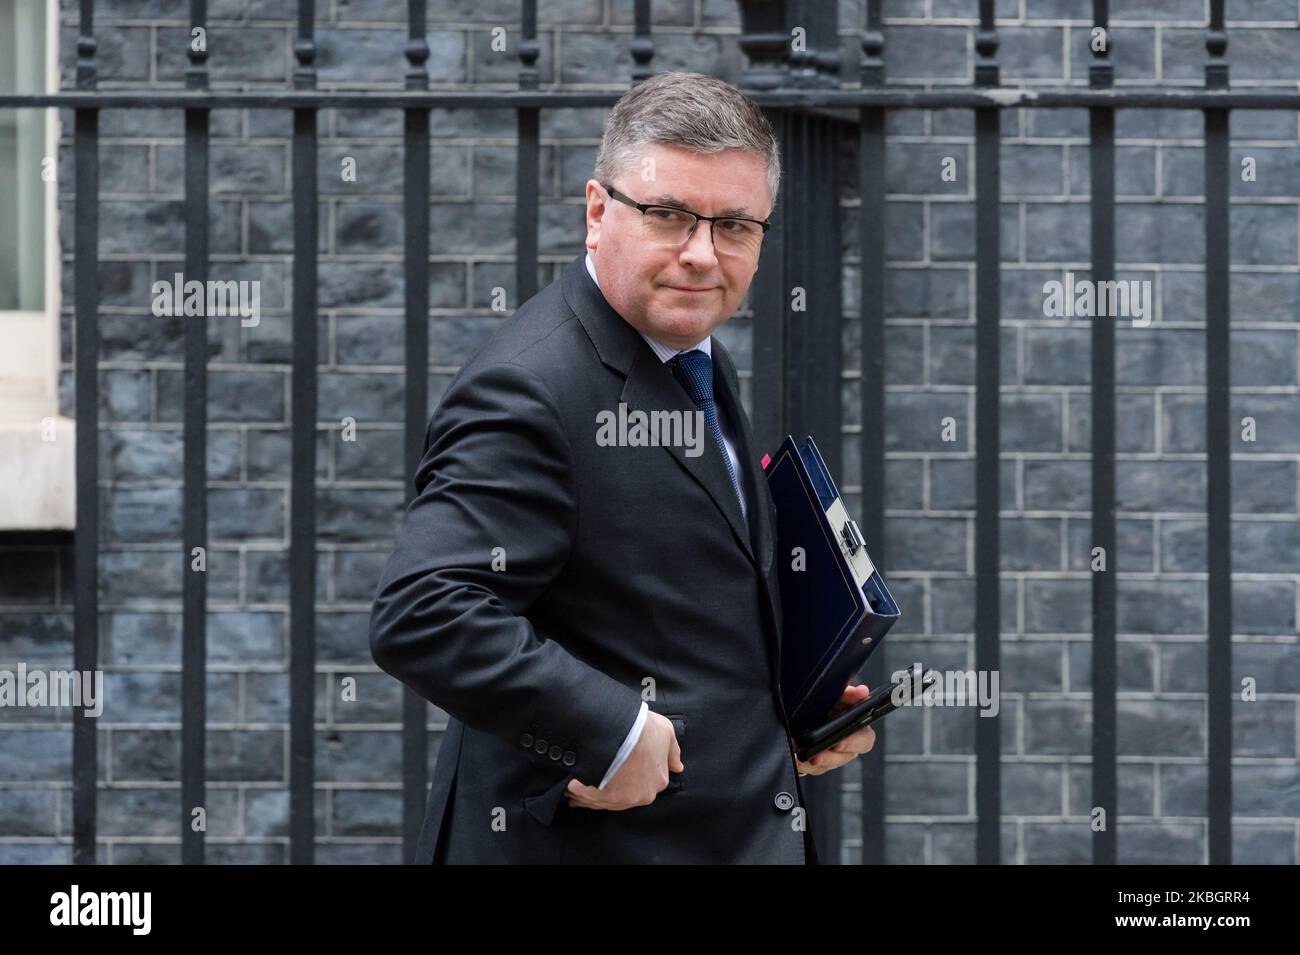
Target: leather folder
(835,607)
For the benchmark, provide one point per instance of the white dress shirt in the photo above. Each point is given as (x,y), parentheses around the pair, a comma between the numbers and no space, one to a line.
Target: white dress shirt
(665,352)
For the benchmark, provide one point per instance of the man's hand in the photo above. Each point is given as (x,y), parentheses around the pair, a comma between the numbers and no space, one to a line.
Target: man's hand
(847,749)
(643,775)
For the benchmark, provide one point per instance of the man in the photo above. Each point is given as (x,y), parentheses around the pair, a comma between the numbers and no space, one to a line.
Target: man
(596,608)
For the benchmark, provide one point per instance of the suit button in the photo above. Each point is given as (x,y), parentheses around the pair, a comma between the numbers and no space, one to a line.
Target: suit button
(783,801)
(526,741)
(570,758)
(555,753)
(540,747)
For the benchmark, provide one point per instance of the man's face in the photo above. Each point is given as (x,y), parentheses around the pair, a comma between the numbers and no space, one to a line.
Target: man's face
(647,283)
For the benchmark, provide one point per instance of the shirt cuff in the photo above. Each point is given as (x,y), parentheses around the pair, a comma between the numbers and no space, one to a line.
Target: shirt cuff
(629,743)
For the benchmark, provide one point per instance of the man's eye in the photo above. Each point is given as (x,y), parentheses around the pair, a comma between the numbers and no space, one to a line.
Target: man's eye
(666,215)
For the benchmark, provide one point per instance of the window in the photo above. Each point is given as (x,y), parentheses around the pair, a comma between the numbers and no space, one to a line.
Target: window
(37,464)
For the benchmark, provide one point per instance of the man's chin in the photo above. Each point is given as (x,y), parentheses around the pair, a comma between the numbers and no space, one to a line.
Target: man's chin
(686,333)
(684,323)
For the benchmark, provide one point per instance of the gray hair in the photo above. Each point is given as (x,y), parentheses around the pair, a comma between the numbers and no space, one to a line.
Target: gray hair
(690,110)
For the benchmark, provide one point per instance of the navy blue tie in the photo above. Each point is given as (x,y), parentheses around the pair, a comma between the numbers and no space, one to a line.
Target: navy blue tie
(694,372)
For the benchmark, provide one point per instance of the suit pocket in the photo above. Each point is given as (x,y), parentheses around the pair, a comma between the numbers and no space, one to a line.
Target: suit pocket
(543,806)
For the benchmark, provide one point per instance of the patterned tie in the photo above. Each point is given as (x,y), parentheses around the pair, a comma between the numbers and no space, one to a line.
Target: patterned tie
(694,372)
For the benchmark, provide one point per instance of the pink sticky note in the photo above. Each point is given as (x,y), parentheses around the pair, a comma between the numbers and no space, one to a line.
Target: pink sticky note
(763,463)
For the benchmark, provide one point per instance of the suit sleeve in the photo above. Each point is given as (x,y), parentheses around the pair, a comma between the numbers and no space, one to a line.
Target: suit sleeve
(490,528)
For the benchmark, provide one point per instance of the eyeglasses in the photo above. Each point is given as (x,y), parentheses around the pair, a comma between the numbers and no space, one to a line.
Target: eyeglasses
(670,225)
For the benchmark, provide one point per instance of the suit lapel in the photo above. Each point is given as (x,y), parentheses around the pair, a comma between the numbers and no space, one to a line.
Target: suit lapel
(650,386)
(726,391)
(758,496)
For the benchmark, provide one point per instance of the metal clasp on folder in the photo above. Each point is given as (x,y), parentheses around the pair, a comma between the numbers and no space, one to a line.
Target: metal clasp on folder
(853,538)
(851,542)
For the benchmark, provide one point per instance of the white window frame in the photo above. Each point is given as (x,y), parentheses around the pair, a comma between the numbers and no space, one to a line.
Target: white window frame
(37,444)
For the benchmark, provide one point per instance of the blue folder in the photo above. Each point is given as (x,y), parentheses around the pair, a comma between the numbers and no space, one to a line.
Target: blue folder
(835,607)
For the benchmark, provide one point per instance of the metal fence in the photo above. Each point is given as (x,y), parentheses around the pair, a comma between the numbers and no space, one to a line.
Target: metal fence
(796,367)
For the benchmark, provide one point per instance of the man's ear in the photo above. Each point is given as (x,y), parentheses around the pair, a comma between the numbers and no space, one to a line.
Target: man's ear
(595,212)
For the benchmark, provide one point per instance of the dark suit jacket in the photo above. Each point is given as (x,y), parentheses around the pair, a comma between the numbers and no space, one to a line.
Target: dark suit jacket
(625,567)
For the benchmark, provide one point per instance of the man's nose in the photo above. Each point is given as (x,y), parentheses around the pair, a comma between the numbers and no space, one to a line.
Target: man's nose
(699,247)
